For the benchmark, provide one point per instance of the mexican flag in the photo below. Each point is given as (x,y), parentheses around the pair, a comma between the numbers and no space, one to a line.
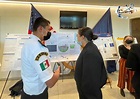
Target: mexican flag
(44,65)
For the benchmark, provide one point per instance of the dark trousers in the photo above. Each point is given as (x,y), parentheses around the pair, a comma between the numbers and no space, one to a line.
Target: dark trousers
(136,85)
(43,95)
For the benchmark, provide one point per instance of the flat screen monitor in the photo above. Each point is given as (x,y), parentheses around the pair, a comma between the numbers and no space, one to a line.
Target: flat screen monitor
(73,19)
(52,48)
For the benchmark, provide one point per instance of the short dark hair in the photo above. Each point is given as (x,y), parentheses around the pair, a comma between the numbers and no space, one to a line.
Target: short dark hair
(87,32)
(40,22)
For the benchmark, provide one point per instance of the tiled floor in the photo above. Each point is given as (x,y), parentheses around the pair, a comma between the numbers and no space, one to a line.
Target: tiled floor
(66,89)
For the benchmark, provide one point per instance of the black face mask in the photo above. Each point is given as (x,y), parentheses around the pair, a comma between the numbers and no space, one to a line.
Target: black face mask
(47,36)
(129,41)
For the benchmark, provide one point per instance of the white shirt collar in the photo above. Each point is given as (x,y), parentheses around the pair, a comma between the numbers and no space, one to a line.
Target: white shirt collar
(34,37)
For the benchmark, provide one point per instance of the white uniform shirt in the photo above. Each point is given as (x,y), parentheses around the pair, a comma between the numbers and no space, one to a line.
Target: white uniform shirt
(35,66)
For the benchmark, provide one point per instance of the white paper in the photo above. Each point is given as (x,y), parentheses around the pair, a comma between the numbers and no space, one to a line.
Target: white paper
(106,47)
(8,62)
(67,47)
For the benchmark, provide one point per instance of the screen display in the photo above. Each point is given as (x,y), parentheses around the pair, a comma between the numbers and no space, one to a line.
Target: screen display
(52,48)
(73,19)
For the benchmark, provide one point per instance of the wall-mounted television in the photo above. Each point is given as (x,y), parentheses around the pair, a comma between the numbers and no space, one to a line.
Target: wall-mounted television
(73,19)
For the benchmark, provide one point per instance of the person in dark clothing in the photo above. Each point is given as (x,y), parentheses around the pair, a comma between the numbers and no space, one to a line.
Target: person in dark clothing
(133,63)
(125,74)
(90,73)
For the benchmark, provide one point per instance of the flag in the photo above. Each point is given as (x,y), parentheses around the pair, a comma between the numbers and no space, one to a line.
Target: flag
(104,27)
(44,65)
(34,15)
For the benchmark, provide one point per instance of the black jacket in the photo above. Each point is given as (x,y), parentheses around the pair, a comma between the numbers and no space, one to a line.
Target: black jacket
(133,63)
(90,73)
(123,51)
(133,59)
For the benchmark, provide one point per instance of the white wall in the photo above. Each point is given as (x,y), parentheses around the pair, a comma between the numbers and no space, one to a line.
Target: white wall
(14,18)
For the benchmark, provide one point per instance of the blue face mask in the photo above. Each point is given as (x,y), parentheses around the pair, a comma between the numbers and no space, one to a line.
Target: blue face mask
(80,43)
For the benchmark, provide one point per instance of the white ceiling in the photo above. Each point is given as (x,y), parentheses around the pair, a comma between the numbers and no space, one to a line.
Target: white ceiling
(89,2)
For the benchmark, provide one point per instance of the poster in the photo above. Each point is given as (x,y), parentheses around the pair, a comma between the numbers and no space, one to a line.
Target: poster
(63,47)
(11,59)
(107,47)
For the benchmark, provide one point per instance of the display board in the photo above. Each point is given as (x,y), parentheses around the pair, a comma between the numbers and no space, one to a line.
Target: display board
(12,51)
(62,47)
(107,48)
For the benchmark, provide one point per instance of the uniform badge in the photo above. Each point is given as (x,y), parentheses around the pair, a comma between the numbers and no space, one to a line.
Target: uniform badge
(44,65)
(41,54)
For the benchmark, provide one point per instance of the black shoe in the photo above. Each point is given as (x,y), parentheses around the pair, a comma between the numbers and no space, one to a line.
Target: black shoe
(122,92)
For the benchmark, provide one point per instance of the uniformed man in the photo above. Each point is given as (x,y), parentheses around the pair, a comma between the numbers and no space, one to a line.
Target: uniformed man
(36,71)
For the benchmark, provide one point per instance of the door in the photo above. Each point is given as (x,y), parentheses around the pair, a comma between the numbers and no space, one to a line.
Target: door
(135,28)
